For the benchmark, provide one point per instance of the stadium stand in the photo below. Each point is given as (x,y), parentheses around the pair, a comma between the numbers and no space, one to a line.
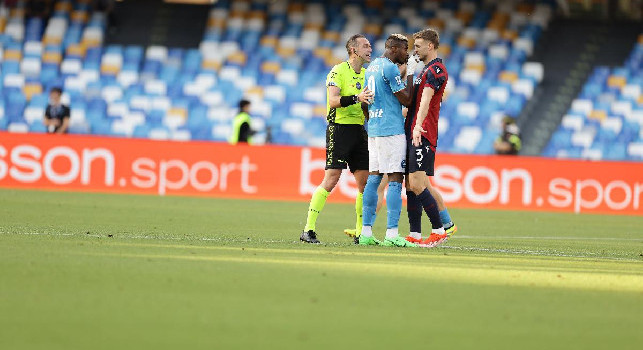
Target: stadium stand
(277,54)
(605,121)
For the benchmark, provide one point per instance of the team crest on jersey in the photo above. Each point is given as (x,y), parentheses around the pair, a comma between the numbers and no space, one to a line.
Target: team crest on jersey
(358,86)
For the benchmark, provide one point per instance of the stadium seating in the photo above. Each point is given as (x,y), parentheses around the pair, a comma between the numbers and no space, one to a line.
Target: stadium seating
(606,120)
(277,54)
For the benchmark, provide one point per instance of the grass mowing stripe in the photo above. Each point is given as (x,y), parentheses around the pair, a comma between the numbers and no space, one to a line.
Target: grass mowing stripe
(399,253)
(536,253)
(487,276)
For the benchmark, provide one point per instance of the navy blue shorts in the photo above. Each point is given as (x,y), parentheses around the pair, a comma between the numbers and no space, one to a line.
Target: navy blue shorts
(420,158)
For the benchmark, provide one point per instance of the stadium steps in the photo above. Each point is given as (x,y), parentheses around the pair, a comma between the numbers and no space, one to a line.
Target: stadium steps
(179,25)
(152,22)
(569,50)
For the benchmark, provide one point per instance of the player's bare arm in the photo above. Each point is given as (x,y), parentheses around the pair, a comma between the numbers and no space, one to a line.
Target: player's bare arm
(405,96)
(365,110)
(427,95)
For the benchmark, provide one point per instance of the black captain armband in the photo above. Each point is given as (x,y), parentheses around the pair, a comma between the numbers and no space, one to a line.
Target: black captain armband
(346,101)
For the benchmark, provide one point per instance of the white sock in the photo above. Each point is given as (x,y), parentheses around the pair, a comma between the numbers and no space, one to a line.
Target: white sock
(391,233)
(416,235)
(367,231)
(439,231)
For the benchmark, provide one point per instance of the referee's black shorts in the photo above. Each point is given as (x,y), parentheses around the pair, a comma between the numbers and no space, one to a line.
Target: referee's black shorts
(346,145)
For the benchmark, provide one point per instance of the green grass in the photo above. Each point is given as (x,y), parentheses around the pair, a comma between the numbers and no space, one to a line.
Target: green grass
(96,271)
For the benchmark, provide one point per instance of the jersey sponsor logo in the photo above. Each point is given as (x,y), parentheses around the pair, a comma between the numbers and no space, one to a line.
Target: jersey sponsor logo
(375,114)
(437,70)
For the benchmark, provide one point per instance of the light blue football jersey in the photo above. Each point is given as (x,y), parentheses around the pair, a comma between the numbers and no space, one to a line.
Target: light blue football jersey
(385,113)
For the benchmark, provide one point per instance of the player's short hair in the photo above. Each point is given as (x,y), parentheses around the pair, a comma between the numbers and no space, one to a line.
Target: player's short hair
(431,35)
(352,42)
(243,104)
(396,40)
(57,90)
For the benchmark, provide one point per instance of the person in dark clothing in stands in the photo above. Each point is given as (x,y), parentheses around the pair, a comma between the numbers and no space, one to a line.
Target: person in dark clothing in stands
(56,114)
(509,141)
(241,131)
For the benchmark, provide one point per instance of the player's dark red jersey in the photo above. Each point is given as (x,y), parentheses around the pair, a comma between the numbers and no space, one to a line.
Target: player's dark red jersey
(434,76)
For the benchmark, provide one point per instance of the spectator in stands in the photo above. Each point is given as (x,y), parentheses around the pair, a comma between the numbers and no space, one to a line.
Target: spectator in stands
(509,142)
(241,131)
(56,114)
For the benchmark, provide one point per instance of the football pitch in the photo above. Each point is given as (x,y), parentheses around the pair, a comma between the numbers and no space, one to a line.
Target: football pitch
(108,271)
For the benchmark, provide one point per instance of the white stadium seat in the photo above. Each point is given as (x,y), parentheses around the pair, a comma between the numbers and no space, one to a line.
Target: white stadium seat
(18,127)
(468,138)
(499,94)
(583,138)
(71,66)
(156,53)
(524,87)
(592,154)
(159,134)
(14,80)
(181,135)
(614,124)
(584,107)
(635,149)
(34,113)
(574,122)
(302,110)
(212,98)
(469,109)
(293,126)
(534,70)
(162,103)
(33,48)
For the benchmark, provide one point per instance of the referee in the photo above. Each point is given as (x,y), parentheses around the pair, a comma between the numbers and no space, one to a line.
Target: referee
(346,140)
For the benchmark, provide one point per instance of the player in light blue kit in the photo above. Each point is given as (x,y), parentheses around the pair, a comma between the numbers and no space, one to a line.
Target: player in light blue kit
(386,139)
